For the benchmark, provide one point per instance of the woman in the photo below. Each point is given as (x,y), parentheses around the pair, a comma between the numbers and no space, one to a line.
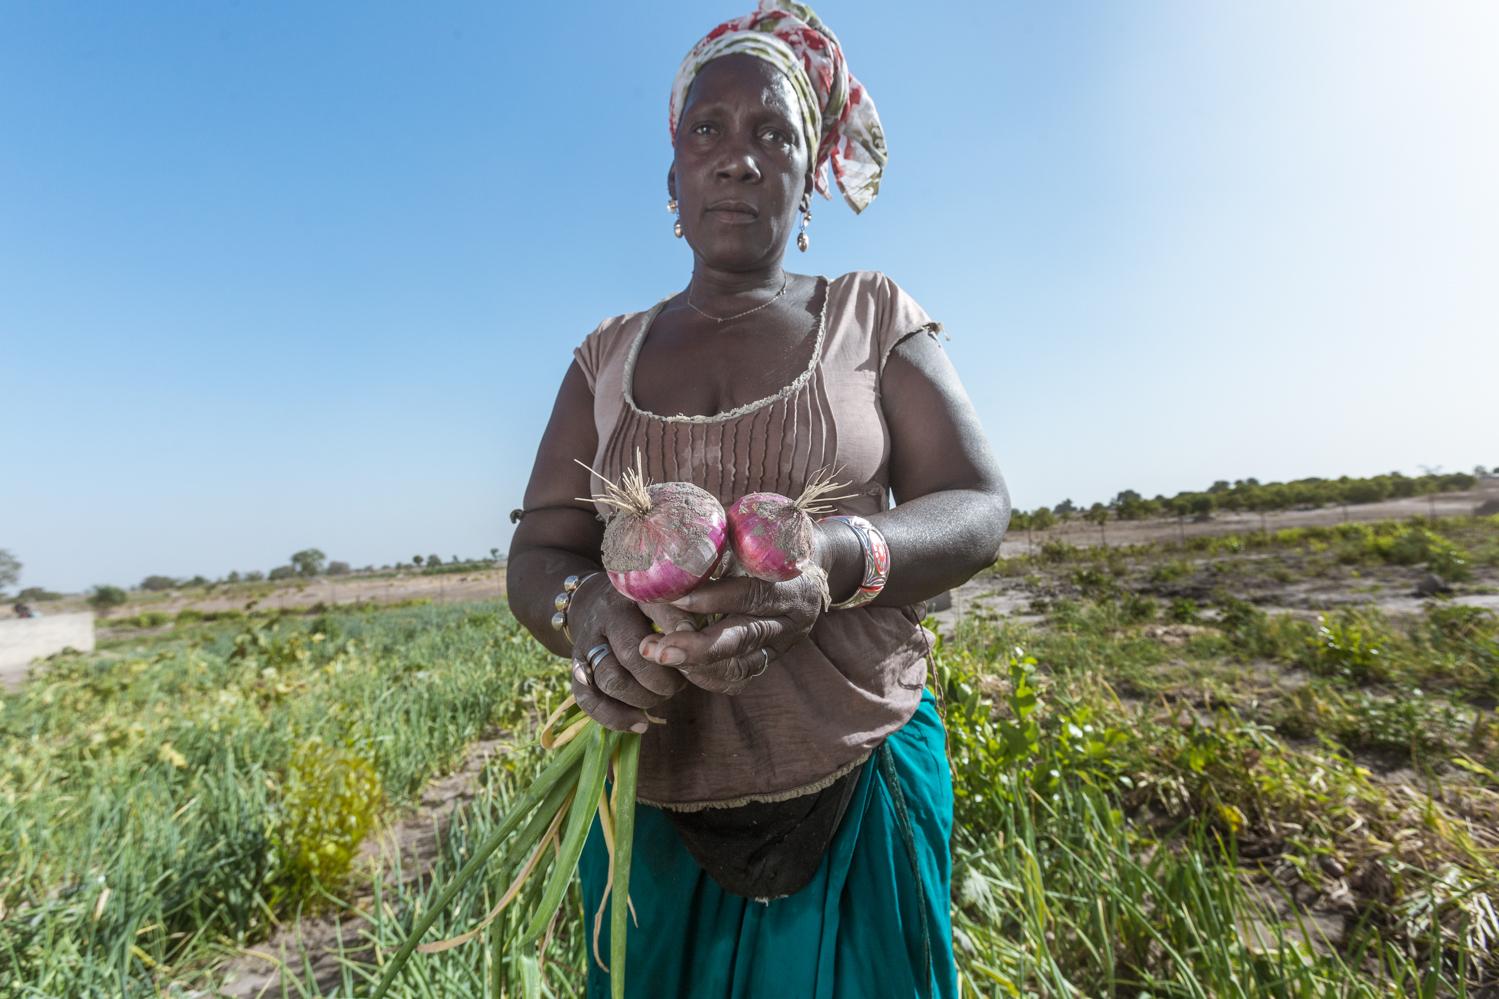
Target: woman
(796,798)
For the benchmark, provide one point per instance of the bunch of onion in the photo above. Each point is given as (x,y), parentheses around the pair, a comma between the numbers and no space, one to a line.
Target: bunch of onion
(662,541)
(552,818)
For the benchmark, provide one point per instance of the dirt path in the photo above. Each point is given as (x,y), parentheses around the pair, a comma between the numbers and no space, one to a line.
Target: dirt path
(411,846)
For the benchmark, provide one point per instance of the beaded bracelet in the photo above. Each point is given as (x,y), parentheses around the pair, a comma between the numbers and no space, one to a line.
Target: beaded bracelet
(562,601)
(876,561)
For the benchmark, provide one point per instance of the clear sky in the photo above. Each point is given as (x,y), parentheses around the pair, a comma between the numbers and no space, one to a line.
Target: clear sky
(275,275)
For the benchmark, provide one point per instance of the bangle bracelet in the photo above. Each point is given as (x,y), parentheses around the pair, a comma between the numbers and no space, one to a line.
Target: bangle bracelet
(876,561)
(562,601)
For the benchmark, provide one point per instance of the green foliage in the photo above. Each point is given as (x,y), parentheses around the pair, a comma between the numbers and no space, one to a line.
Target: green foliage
(331,799)
(1169,571)
(37,594)
(1183,610)
(145,619)
(156,584)
(192,794)
(282,572)
(10,569)
(104,598)
(308,561)
(1348,646)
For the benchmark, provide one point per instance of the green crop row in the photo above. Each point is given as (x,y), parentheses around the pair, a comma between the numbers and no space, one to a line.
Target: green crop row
(159,800)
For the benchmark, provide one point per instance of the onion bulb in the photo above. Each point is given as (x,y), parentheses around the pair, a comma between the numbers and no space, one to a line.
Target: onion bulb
(663,539)
(773,535)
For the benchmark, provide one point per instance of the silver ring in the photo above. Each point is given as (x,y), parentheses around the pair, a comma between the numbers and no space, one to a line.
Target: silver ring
(763,666)
(596,654)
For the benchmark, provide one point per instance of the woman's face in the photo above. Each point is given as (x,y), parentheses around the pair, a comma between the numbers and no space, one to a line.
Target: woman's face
(740,169)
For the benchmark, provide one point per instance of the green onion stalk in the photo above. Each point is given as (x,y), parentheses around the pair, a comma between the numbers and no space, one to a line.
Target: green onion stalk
(553,816)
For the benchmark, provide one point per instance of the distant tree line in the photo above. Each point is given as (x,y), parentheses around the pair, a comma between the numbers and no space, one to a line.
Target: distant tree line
(1250,495)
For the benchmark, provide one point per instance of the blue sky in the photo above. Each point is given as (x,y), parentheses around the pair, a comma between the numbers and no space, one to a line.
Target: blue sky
(279,275)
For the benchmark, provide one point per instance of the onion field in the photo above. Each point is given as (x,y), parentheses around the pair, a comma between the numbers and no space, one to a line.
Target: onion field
(1248,765)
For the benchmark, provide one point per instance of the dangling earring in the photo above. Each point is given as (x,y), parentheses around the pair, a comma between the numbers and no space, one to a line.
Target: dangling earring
(676,227)
(802,242)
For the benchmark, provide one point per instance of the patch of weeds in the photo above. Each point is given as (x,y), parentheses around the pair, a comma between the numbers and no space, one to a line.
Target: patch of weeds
(1170,572)
(1412,726)
(1350,645)
(1183,610)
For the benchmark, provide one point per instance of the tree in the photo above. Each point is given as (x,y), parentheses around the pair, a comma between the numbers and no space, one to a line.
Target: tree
(1065,509)
(155,584)
(416,560)
(282,572)
(338,568)
(37,594)
(433,560)
(254,576)
(233,576)
(1201,507)
(1098,514)
(494,553)
(106,598)
(308,561)
(10,569)
(1042,518)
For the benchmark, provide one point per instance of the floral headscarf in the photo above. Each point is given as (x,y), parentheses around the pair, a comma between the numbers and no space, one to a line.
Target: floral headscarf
(839,121)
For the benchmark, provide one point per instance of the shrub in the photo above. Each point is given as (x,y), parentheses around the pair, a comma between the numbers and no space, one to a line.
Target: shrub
(283,572)
(337,569)
(332,796)
(106,598)
(1183,610)
(1348,646)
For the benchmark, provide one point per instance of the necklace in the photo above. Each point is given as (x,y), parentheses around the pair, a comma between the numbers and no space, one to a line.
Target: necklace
(738,315)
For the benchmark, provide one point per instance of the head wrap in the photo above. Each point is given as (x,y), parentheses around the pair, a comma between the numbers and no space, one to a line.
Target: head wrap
(839,122)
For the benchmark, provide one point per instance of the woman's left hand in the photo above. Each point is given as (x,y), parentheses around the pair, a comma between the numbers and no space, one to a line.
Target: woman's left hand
(726,655)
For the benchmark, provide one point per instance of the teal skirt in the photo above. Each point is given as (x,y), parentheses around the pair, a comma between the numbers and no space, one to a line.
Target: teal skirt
(874,921)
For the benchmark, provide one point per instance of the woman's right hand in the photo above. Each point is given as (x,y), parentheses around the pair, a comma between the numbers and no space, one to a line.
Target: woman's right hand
(619,690)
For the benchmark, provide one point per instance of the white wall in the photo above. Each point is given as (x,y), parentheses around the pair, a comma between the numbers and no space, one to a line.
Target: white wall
(25,639)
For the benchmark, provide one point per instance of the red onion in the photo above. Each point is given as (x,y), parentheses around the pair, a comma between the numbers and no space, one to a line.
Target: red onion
(773,535)
(663,539)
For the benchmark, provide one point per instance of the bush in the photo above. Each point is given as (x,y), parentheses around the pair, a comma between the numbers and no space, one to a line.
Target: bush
(155,584)
(106,598)
(332,797)
(1183,610)
(36,594)
(337,569)
(283,572)
(1348,646)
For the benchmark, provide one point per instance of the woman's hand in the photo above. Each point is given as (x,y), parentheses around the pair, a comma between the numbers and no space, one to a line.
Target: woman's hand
(621,686)
(761,621)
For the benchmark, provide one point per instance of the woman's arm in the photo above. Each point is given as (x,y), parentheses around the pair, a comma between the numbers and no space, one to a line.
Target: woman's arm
(952,504)
(953,508)
(559,537)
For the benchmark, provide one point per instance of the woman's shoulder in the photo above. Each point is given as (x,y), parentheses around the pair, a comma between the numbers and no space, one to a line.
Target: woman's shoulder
(608,343)
(884,312)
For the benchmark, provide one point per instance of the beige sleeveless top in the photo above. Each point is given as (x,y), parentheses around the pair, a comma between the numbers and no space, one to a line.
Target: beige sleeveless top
(824,705)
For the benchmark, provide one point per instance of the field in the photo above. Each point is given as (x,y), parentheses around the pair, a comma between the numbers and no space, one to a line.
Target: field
(1252,764)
